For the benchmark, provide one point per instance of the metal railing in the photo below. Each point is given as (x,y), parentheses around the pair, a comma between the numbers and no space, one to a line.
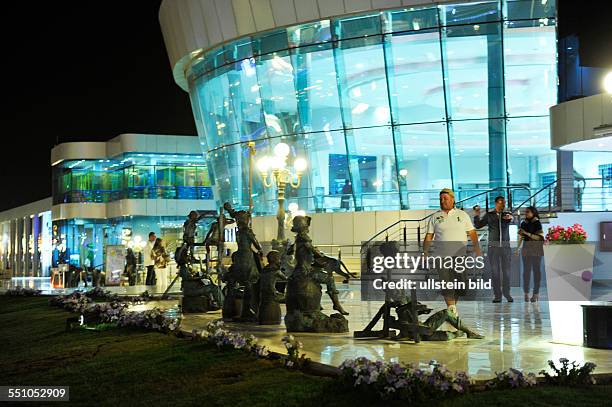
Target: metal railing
(413,229)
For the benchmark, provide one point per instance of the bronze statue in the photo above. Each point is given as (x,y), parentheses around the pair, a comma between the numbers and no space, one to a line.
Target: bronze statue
(429,328)
(269,298)
(304,292)
(216,237)
(200,294)
(246,263)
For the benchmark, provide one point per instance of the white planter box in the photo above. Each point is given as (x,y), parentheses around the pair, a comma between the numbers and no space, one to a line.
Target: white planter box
(569,271)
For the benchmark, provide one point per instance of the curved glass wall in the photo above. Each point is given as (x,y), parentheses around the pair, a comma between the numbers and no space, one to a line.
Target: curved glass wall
(398,103)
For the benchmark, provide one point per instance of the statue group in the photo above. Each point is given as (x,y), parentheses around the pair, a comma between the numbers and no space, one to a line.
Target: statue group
(251,294)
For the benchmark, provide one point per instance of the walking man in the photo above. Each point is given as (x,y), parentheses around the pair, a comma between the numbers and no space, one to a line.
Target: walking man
(499,251)
(148,260)
(451,227)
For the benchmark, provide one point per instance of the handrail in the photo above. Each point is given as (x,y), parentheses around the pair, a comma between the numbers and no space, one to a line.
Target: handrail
(488,191)
(536,193)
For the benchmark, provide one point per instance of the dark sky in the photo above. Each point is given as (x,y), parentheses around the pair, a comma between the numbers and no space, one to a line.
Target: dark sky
(90,70)
(80,71)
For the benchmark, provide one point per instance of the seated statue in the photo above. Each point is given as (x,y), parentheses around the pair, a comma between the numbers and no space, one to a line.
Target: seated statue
(200,294)
(304,292)
(428,329)
(269,298)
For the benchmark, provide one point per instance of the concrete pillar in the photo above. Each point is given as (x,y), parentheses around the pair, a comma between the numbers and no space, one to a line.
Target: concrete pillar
(565,180)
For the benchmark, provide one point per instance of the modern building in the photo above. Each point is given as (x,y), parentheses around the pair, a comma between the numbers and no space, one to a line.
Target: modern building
(107,193)
(400,98)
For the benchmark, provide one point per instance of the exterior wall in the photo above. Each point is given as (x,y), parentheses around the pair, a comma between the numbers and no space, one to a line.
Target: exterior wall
(21,229)
(131,207)
(345,229)
(125,143)
(581,120)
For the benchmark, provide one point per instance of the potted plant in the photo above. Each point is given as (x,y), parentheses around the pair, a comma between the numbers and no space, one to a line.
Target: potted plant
(569,263)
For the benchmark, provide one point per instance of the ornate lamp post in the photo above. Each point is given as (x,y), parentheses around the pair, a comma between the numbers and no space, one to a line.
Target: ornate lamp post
(274,170)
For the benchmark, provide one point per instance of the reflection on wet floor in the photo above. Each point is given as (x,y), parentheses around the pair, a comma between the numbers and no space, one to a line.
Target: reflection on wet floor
(518,335)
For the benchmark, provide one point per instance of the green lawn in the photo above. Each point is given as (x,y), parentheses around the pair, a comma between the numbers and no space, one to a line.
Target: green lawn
(125,367)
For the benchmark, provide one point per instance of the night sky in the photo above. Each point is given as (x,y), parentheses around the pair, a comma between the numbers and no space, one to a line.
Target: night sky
(90,70)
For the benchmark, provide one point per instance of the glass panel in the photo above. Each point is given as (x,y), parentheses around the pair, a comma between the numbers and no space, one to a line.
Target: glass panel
(470,13)
(310,33)
(415,77)
(270,41)
(140,181)
(423,163)
(473,60)
(593,171)
(316,88)
(218,112)
(246,100)
(357,26)
(410,20)
(277,88)
(373,169)
(363,83)
(469,143)
(530,9)
(238,50)
(327,173)
(530,159)
(530,69)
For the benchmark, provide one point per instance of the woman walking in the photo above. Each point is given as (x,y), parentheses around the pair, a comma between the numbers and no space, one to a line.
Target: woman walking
(531,236)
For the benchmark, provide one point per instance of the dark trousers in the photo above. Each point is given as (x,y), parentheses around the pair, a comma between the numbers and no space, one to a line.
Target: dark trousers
(532,263)
(499,259)
(150,276)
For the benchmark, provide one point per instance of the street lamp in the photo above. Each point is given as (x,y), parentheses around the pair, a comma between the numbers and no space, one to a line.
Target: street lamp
(274,170)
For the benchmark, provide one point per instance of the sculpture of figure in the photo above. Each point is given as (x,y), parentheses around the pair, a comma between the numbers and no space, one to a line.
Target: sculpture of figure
(215,237)
(189,230)
(200,294)
(304,287)
(320,266)
(247,263)
(429,328)
(269,308)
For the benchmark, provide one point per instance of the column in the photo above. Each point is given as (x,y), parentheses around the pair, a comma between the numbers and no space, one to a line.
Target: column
(497,132)
(565,180)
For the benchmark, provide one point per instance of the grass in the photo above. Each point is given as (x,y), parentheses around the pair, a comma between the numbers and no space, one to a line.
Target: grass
(130,367)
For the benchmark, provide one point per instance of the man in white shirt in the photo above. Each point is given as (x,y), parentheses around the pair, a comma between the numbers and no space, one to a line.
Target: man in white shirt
(148,261)
(451,226)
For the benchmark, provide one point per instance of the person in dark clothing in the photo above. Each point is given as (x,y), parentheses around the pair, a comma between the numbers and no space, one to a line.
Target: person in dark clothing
(347,190)
(130,266)
(499,250)
(532,237)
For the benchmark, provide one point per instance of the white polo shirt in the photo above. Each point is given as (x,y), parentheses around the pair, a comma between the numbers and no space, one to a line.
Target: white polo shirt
(450,227)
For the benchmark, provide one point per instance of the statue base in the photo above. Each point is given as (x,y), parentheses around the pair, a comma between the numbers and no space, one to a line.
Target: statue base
(296,321)
(198,297)
(270,313)
(191,305)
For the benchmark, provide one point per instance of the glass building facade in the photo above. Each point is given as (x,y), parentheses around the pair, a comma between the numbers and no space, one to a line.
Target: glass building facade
(132,176)
(400,103)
